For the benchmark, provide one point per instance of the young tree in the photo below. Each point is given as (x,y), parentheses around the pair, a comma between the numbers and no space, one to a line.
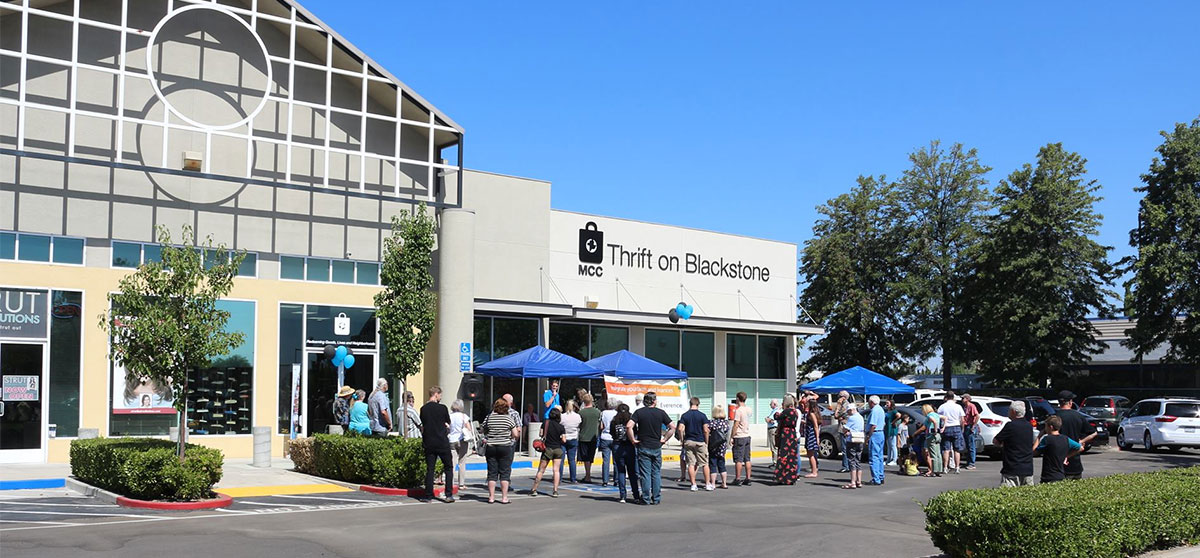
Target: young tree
(848,269)
(1164,290)
(407,305)
(164,321)
(1039,275)
(943,197)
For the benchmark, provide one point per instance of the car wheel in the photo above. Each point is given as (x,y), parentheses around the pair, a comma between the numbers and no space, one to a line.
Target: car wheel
(1148,442)
(828,448)
(1121,441)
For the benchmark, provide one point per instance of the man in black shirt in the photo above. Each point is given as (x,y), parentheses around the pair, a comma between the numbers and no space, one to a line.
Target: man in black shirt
(652,428)
(1016,445)
(1076,426)
(435,437)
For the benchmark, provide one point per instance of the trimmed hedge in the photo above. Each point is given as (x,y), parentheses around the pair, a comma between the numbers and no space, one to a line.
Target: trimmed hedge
(146,468)
(391,462)
(300,451)
(1114,516)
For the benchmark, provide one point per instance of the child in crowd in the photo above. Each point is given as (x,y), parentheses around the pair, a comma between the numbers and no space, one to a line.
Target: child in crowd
(908,463)
(1056,450)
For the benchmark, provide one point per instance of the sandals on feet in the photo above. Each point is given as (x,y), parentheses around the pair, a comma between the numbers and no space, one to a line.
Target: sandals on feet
(848,487)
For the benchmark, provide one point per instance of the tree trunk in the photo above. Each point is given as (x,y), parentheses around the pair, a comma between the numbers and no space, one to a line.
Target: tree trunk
(402,409)
(947,360)
(183,429)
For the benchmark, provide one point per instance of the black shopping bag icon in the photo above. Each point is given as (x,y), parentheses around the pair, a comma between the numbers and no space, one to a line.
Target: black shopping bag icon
(591,244)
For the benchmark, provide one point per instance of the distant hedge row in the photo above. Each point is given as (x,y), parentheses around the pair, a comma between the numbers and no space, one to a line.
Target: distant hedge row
(146,468)
(1114,516)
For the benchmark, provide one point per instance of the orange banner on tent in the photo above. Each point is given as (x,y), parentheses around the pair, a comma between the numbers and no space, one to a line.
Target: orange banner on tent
(621,388)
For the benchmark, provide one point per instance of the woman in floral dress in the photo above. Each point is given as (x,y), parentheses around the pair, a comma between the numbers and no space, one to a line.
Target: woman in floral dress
(788,466)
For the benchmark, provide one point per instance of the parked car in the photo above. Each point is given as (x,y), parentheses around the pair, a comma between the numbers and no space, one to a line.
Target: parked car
(1172,423)
(1038,409)
(1108,408)
(993,414)
(831,440)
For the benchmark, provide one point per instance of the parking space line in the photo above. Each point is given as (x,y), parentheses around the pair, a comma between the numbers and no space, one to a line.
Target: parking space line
(267,503)
(326,498)
(38,522)
(223,510)
(83,514)
(19,503)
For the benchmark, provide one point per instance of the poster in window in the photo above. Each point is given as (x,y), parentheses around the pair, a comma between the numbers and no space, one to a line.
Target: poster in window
(141,398)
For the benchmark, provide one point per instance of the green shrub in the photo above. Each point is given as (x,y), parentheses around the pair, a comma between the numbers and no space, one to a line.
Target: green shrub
(391,462)
(146,468)
(1113,516)
(301,452)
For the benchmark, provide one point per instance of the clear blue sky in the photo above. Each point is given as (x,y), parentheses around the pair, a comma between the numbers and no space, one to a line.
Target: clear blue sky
(743,117)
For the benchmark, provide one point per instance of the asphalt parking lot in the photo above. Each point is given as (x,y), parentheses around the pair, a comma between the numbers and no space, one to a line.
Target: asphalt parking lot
(812,518)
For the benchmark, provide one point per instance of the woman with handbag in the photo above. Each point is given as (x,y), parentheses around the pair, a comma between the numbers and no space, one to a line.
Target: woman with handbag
(856,435)
(554,436)
(624,456)
(499,430)
(933,441)
(460,439)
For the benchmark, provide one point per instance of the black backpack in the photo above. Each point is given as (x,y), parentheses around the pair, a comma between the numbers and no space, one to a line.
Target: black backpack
(715,441)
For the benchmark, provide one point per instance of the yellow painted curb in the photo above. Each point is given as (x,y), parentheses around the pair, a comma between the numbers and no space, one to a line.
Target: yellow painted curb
(284,489)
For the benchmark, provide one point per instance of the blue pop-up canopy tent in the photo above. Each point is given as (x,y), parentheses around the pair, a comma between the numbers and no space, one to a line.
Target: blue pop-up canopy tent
(858,380)
(539,362)
(632,366)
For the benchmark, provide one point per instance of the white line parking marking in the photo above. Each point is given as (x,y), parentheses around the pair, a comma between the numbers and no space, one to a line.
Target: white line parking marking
(327,498)
(271,511)
(233,511)
(40,512)
(39,522)
(268,504)
(50,504)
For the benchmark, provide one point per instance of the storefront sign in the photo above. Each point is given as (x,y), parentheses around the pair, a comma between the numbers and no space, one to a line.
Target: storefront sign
(21,388)
(142,398)
(672,394)
(23,313)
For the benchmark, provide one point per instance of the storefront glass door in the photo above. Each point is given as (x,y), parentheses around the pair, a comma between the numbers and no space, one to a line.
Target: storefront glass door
(321,385)
(22,420)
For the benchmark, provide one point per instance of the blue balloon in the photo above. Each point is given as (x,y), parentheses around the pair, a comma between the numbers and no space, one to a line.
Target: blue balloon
(687,311)
(336,361)
(348,362)
(679,308)
(340,353)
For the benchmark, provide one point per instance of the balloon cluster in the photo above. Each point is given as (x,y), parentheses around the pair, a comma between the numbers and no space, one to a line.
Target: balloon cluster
(339,356)
(681,311)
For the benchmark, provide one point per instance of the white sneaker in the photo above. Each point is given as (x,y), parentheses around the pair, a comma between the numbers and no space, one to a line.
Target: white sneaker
(710,487)
(694,488)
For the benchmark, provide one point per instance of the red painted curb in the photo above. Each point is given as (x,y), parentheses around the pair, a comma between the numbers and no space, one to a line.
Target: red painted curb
(413,492)
(221,501)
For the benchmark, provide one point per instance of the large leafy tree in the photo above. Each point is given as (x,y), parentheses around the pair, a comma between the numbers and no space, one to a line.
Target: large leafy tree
(407,305)
(164,321)
(1164,289)
(848,269)
(944,198)
(1039,274)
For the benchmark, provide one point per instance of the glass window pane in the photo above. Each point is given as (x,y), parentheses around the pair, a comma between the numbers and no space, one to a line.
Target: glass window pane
(318,269)
(368,274)
(126,254)
(740,351)
(698,354)
(8,246)
(514,335)
(343,271)
(213,258)
(291,339)
(68,250)
(65,330)
(771,361)
(219,397)
(152,253)
(704,390)
(291,268)
(249,266)
(662,345)
(607,340)
(569,339)
(482,351)
(768,390)
(33,248)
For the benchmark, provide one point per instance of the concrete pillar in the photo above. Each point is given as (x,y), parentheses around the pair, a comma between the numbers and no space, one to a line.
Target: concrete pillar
(789,363)
(262,446)
(456,299)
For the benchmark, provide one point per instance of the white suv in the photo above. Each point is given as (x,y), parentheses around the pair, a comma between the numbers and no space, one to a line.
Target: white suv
(993,414)
(1154,423)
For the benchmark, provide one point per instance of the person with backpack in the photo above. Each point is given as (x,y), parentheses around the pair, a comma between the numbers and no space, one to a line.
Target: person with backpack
(624,457)
(718,438)
(554,437)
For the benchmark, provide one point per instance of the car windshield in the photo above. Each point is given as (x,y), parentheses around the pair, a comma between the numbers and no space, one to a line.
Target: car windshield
(1042,407)
(1186,410)
(1000,407)
(1096,402)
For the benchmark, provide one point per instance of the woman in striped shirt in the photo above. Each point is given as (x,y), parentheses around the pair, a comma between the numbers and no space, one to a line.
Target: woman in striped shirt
(499,430)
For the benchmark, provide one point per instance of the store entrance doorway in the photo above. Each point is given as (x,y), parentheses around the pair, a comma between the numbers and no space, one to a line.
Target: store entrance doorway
(321,385)
(22,407)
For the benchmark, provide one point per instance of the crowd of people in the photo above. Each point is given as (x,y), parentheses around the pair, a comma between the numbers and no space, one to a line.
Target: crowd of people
(631,442)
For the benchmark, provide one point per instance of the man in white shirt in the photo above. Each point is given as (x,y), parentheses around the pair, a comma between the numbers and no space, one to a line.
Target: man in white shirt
(952,433)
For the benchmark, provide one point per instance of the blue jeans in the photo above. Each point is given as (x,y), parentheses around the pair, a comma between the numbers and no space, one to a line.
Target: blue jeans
(889,448)
(606,454)
(877,456)
(625,464)
(969,441)
(650,473)
(845,453)
(570,452)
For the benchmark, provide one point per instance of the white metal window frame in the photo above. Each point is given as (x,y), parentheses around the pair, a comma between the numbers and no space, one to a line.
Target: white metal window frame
(304,270)
(366,75)
(17,248)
